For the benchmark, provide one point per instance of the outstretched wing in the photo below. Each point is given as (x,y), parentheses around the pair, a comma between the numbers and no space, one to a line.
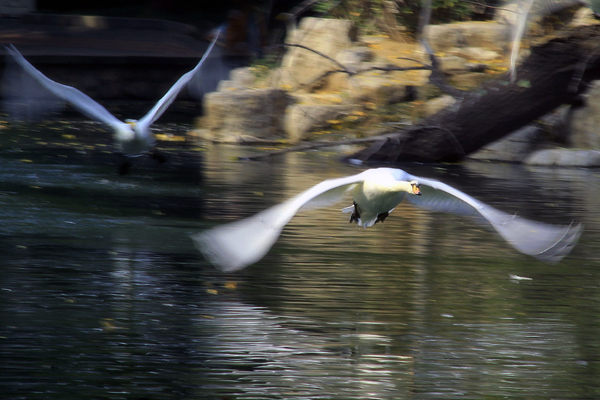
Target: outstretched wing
(161,106)
(546,242)
(80,101)
(236,245)
(526,11)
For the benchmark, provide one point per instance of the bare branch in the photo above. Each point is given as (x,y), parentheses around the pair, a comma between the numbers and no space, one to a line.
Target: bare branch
(316,52)
(316,145)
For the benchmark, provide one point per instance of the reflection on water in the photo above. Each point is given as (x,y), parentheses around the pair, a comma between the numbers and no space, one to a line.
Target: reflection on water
(103,295)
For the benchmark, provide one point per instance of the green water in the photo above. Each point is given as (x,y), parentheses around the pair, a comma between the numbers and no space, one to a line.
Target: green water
(103,295)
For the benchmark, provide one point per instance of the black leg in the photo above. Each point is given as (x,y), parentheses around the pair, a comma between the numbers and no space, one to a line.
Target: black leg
(355,216)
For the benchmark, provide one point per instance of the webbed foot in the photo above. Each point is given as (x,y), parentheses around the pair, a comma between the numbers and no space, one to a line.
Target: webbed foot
(381,217)
(355,216)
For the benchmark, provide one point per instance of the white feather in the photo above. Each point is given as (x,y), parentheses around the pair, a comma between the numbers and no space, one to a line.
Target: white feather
(233,246)
(130,138)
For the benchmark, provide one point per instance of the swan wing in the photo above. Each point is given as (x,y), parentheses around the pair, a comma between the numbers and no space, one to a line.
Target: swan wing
(79,100)
(163,104)
(236,245)
(546,242)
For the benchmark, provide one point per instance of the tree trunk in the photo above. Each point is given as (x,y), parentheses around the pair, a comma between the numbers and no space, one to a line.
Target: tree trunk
(555,73)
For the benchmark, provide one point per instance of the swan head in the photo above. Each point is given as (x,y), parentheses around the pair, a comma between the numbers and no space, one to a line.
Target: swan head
(414,188)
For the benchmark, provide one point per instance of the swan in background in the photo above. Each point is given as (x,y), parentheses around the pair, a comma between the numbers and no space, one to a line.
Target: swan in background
(131,137)
(376,192)
(529,9)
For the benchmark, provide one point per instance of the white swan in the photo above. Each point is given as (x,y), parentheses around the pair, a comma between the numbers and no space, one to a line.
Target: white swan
(530,9)
(376,192)
(132,136)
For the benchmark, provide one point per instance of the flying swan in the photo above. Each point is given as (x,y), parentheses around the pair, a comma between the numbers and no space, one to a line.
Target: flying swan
(376,192)
(131,137)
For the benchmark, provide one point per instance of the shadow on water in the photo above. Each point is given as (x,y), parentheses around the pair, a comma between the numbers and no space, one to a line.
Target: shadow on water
(102,294)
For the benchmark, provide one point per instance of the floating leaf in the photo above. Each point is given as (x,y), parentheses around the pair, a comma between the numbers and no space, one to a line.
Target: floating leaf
(170,138)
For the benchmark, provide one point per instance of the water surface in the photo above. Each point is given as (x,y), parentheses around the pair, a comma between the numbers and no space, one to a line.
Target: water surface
(103,295)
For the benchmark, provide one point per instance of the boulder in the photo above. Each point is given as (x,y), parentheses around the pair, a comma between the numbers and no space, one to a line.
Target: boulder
(584,121)
(564,158)
(354,59)
(239,78)
(451,64)
(302,119)
(328,36)
(583,17)
(488,35)
(439,103)
(241,115)
(378,88)
(474,54)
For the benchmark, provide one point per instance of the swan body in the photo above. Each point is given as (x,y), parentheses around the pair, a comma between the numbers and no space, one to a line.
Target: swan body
(130,137)
(376,192)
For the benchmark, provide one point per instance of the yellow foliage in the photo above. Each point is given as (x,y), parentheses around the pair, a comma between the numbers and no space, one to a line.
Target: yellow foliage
(170,138)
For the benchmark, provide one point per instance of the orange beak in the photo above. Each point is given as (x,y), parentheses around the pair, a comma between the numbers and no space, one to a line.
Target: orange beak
(416,190)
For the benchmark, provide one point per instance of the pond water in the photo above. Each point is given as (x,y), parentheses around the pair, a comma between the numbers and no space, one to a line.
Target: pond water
(103,295)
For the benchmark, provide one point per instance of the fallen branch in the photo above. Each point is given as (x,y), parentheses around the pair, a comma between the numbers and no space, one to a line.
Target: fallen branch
(317,145)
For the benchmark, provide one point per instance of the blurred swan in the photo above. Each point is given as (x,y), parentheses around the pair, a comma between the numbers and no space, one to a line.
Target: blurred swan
(376,192)
(530,9)
(131,137)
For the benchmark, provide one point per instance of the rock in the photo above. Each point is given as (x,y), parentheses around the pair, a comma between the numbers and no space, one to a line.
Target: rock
(585,120)
(354,57)
(377,88)
(508,14)
(240,115)
(515,147)
(564,158)
(439,103)
(487,35)
(242,77)
(239,78)
(475,53)
(583,17)
(301,119)
(451,64)
(327,36)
